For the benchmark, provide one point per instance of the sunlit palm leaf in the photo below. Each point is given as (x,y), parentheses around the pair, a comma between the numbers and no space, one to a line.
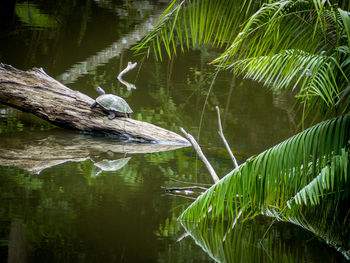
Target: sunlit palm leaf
(285,44)
(282,25)
(196,22)
(290,44)
(313,73)
(268,181)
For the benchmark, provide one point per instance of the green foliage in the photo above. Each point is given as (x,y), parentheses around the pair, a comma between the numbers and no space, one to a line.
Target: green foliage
(193,23)
(302,170)
(301,45)
(314,73)
(296,44)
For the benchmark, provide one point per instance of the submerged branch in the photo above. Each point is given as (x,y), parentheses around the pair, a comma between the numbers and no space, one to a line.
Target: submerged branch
(187,192)
(171,189)
(201,155)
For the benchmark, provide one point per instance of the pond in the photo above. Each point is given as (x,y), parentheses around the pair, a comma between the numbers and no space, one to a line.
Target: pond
(70,197)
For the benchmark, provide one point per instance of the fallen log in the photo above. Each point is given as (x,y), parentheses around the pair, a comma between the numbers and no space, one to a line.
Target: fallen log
(36,92)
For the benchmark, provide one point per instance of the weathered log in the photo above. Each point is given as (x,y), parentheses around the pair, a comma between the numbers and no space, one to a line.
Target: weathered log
(37,151)
(36,92)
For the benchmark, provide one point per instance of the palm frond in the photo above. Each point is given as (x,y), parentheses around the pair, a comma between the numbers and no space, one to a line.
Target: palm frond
(195,22)
(285,44)
(277,26)
(289,44)
(313,73)
(269,180)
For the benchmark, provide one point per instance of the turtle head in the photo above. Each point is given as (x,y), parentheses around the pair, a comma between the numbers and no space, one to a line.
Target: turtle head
(100,91)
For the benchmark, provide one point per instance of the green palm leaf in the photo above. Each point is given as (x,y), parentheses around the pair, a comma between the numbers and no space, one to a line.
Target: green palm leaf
(296,44)
(302,169)
(283,25)
(313,74)
(301,44)
(196,22)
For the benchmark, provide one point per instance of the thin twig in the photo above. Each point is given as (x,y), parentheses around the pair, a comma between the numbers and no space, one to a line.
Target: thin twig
(221,133)
(201,155)
(128,68)
(170,189)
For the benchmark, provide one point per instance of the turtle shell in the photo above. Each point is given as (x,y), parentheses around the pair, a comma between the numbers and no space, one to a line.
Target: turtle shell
(112,102)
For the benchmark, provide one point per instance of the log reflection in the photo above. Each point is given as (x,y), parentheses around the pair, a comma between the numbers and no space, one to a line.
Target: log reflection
(36,151)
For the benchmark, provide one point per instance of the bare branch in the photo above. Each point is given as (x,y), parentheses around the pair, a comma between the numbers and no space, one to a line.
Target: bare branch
(221,133)
(201,155)
(128,68)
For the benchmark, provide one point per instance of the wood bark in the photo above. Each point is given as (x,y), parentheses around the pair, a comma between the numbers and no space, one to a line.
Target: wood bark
(36,92)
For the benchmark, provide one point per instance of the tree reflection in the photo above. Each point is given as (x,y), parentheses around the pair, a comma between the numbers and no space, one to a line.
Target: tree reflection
(263,240)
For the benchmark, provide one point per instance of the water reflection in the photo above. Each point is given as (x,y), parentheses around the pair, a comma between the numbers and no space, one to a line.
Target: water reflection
(115,49)
(17,244)
(56,35)
(37,151)
(259,240)
(328,221)
(111,165)
(68,214)
(32,16)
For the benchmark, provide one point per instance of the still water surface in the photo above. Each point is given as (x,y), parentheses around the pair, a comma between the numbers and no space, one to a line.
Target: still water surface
(68,197)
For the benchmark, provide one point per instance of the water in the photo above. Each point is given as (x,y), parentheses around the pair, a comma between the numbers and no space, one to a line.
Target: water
(68,197)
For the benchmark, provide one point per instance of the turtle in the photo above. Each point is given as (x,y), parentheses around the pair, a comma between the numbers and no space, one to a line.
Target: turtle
(112,104)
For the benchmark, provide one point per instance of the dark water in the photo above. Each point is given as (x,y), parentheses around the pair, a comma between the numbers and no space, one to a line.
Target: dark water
(67,197)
